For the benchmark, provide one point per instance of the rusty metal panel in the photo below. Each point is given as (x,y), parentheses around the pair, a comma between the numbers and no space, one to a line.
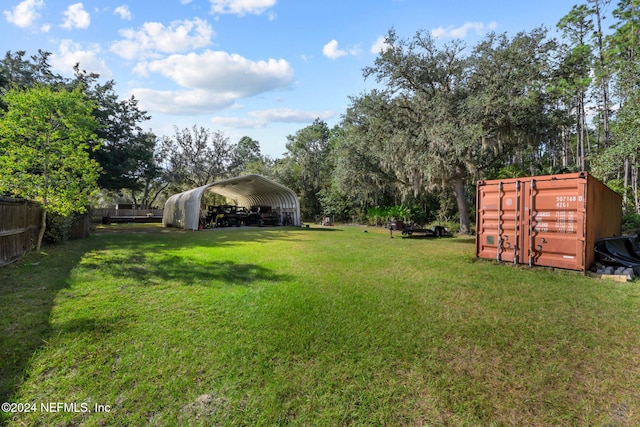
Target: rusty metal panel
(548,221)
(603,217)
(499,223)
(557,236)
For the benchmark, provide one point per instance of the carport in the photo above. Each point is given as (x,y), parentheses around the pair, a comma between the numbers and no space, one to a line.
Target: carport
(183,210)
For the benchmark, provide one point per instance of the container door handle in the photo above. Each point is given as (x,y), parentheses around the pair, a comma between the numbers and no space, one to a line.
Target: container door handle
(516,215)
(531,219)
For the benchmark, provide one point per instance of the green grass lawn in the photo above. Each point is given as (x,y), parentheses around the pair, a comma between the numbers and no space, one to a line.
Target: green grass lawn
(313,327)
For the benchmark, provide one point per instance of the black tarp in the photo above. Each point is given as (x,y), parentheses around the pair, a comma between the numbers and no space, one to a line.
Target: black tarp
(619,251)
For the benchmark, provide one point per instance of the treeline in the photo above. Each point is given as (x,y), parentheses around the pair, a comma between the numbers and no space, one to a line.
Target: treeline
(446,115)
(443,116)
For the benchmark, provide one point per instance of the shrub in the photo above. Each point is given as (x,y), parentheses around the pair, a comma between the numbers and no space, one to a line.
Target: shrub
(630,222)
(61,228)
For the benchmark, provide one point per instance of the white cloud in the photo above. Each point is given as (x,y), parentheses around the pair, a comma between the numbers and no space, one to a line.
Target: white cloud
(25,13)
(241,7)
(287,115)
(262,118)
(70,53)
(221,72)
(123,11)
(331,51)
(182,102)
(379,45)
(154,38)
(462,31)
(238,122)
(76,17)
(214,81)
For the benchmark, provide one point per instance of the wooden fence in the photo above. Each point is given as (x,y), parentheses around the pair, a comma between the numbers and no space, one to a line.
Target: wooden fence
(81,227)
(19,226)
(98,213)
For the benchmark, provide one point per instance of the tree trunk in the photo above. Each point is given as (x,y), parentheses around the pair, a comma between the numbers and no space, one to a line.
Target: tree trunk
(626,185)
(604,77)
(146,204)
(565,149)
(43,227)
(157,193)
(463,208)
(634,185)
(580,113)
(586,144)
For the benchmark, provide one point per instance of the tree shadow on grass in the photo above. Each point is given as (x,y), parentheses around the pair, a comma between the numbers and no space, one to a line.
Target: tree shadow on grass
(28,291)
(156,268)
(173,238)
(90,326)
(158,258)
(322,228)
(29,288)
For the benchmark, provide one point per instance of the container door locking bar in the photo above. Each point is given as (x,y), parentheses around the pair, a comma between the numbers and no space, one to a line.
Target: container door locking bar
(531,219)
(499,254)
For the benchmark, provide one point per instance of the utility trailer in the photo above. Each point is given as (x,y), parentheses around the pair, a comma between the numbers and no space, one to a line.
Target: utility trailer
(414,230)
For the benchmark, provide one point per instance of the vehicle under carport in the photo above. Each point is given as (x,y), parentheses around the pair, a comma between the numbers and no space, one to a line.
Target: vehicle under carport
(184,210)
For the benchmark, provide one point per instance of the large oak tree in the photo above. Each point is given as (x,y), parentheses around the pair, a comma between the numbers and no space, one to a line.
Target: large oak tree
(445,115)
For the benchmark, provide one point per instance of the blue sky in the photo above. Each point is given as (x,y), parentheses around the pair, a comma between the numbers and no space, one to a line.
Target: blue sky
(260,68)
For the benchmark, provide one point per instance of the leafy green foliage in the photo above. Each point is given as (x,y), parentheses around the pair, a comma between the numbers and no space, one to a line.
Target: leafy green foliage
(126,154)
(631,223)
(620,157)
(574,75)
(627,141)
(195,156)
(45,142)
(335,203)
(383,214)
(17,71)
(307,165)
(245,152)
(444,115)
(44,152)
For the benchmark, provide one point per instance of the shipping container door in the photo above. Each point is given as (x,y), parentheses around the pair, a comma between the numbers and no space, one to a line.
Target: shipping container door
(498,228)
(554,210)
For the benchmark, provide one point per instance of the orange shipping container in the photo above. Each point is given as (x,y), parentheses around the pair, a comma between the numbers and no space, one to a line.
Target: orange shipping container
(550,221)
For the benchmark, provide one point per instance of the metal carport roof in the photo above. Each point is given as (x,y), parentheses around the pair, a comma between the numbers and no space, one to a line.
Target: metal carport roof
(183,209)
